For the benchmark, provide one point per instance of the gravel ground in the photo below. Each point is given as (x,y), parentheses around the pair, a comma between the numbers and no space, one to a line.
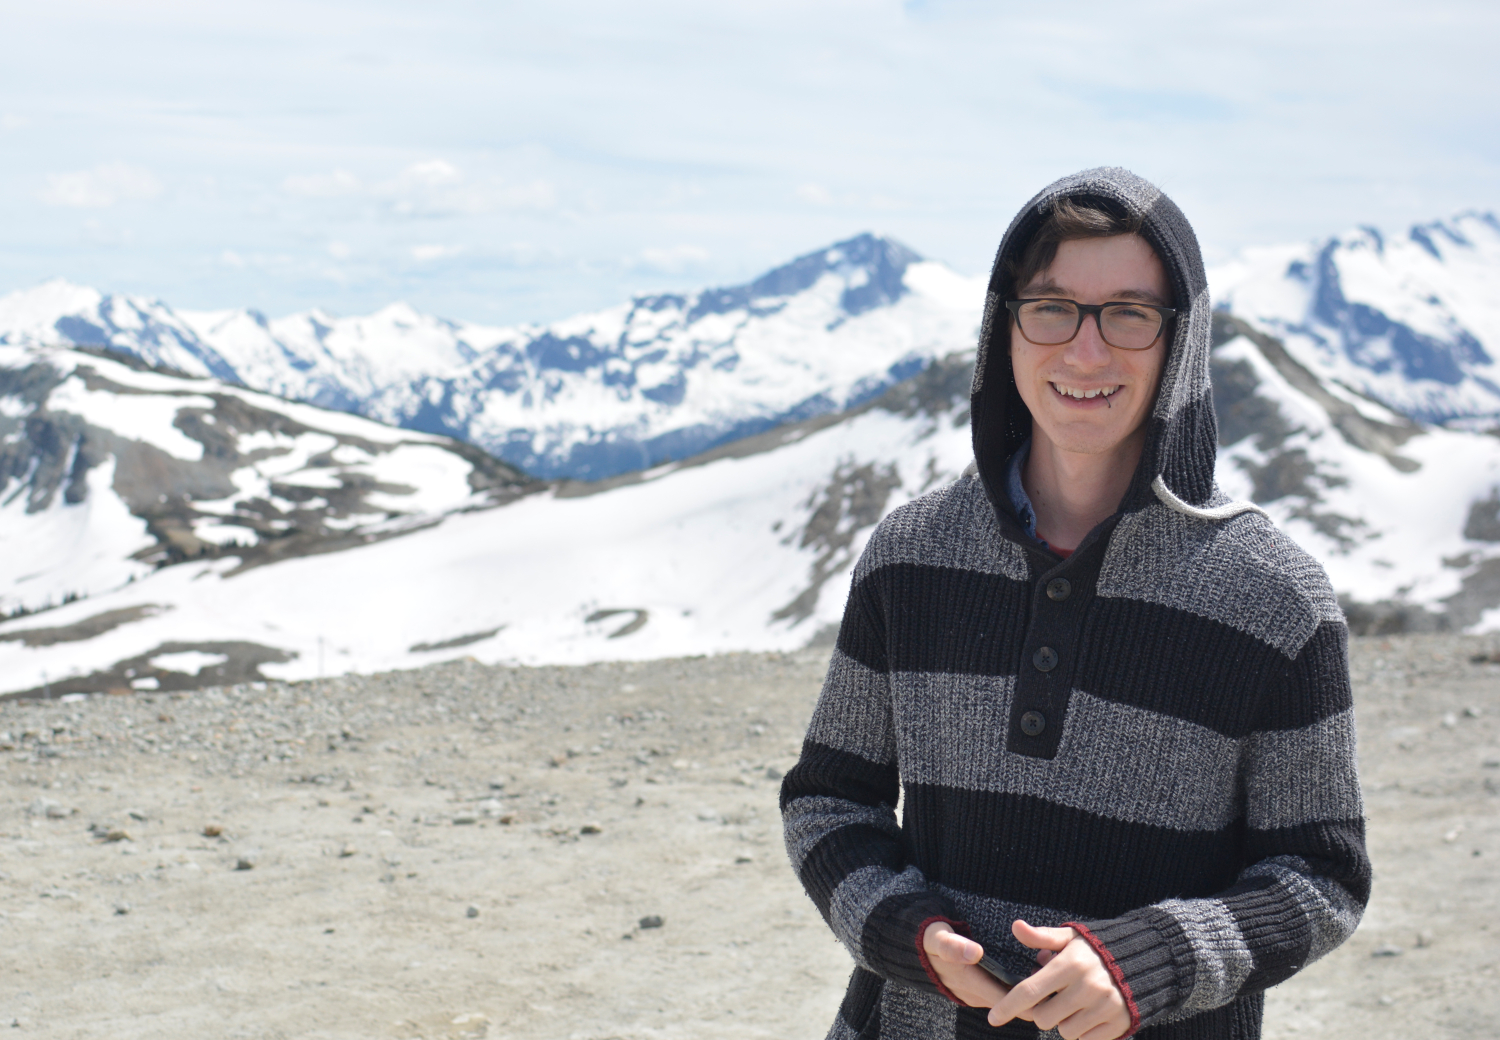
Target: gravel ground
(589,853)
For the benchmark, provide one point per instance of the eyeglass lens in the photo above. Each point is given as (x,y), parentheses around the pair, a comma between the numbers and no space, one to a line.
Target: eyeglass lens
(1123,325)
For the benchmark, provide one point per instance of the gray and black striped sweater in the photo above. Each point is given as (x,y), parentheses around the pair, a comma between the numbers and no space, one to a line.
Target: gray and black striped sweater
(1151,740)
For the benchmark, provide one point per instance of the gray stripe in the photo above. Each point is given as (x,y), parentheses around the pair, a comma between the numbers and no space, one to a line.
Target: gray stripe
(1303,775)
(991,921)
(953,526)
(1243,573)
(857,897)
(1222,958)
(854,711)
(809,820)
(1328,905)
(909,1013)
(1180,376)
(1188,781)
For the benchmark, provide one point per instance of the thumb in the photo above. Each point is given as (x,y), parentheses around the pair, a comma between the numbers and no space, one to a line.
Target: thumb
(1042,938)
(944,943)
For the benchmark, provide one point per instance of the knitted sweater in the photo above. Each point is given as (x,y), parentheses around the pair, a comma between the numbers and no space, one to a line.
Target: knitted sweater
(1151,740)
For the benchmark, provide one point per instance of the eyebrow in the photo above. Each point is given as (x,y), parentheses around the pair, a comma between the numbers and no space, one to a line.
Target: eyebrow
(1054,290)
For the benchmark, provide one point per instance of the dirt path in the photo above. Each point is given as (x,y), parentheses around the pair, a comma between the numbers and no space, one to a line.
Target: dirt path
(474,851)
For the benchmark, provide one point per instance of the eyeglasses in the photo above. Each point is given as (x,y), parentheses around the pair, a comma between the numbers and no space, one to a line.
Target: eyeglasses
(1128,326)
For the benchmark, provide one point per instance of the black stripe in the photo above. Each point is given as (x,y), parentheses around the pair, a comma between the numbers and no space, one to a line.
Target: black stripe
(939,619)
(1274,926)
(860,1009)
(1333,848)
(1029,850)
(1238,1020)
(1317,683)
(840,853)
(829,772)
(1191,667)
(862,630)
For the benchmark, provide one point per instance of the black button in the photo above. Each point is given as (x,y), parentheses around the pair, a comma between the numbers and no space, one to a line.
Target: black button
(1032,723)
(1045,659)
(1059,589)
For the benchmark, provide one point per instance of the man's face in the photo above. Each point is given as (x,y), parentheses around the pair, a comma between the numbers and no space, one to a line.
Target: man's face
(1122,268)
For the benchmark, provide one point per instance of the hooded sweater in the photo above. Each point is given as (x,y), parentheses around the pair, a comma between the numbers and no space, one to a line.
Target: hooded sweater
(1151,740)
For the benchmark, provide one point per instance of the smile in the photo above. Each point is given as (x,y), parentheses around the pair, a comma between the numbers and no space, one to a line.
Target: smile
(1084,395)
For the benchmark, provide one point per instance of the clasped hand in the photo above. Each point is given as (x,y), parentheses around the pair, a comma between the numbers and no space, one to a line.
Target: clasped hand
(1072,993)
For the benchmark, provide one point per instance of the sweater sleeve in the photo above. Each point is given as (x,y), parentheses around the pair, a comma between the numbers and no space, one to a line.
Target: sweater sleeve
(838,807)
(1308,875)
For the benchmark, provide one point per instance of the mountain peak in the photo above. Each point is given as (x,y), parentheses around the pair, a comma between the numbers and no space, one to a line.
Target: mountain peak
(872,266)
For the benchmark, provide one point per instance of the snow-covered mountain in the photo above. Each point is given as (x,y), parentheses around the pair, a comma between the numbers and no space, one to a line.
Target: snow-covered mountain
(197,532)
(658,378)
(748,546)
(1413,322)
(112,471)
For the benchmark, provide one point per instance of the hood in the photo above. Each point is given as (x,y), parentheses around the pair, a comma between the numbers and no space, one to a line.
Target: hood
(1182,433)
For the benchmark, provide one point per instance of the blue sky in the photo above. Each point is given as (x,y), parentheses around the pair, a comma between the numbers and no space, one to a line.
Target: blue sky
(504,162)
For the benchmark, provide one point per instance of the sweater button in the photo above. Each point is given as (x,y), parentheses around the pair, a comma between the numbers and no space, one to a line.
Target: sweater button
(1045,659)
(1058,589)
(1032,723)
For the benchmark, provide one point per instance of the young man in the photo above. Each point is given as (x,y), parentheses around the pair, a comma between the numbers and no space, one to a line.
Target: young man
(1117,704)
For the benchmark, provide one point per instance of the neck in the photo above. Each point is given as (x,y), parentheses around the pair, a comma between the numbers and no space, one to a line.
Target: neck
(1073,492)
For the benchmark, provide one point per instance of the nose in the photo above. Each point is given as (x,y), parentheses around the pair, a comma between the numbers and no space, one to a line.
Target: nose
(1087,351)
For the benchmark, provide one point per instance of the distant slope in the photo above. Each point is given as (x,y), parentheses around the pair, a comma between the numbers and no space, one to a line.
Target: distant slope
(658,378)
(112,470)
(1413,322)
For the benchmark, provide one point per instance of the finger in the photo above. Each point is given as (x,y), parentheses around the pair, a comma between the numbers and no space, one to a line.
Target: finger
(1023,997)
(1042,938)
(1045,956)
(951,946)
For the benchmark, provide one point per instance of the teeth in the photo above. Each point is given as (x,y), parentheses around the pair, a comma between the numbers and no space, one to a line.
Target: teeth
(1083,395)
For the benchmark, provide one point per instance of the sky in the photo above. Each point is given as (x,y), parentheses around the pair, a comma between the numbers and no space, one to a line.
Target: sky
(501,163)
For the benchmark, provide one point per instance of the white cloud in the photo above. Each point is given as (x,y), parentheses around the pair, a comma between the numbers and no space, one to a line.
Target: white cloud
(814,193)
(101,187)
(323,185)
(423,254)
(339,250)
(11,121)
(437,188)
(670,260)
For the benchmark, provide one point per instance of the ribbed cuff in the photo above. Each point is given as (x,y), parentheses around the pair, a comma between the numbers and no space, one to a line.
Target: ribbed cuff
(1141,960)
(962,928)
(892,939)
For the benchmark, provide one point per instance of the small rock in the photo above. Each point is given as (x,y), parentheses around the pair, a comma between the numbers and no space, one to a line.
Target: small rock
(1386,1000)
(744,858)
(1492,762)
(244,863)
(137,815)
(1386,951)
(473,911)
(463,819)
(1450,720)
(772,773)
(508,818)
(1472,712)
(116,834)
(1452,835)
(121,909)
(347,851)
(212,830)
(651,921)
(591,828)
(1425,938)
(498,783)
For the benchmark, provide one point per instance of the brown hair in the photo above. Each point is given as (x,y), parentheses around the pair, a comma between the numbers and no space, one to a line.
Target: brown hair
(1070,219)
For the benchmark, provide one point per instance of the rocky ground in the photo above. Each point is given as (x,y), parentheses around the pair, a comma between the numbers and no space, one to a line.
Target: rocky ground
(589,853)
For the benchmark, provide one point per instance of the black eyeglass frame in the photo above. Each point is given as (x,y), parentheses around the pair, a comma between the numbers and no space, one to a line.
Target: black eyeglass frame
(1084,310)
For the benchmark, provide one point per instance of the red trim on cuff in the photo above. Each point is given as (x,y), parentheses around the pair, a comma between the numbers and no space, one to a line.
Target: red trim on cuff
(962,928)
(1111,966)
